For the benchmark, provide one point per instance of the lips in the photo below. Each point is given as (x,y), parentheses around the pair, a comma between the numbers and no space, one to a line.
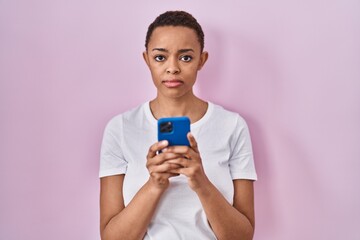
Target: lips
(172,83)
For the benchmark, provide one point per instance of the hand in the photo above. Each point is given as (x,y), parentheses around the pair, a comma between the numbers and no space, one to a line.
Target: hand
(159,167)
(190,162)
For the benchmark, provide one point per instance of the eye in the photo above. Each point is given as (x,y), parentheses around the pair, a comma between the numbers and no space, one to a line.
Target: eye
(186,58)
(159,58)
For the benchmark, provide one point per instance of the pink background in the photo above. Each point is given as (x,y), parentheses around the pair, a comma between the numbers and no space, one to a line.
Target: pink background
(291,68)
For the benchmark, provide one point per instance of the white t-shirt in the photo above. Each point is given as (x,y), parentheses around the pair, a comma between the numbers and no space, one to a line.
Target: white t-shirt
(225,149)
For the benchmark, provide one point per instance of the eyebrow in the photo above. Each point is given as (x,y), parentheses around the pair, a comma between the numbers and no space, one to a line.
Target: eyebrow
(179,51)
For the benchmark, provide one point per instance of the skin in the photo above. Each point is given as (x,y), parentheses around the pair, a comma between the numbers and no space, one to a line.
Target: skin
(174,54)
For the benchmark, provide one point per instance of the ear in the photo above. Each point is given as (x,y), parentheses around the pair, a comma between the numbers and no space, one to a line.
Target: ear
(203,58)
(146,58)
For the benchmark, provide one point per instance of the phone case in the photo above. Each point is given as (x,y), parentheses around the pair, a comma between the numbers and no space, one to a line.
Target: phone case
(174,130)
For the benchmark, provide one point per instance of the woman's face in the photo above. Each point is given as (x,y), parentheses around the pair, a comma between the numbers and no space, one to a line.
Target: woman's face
(174,57)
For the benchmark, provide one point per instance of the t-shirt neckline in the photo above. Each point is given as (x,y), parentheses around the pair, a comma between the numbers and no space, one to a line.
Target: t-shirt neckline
(200,122)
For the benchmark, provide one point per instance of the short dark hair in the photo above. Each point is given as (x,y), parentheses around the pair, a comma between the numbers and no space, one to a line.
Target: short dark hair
(176,18)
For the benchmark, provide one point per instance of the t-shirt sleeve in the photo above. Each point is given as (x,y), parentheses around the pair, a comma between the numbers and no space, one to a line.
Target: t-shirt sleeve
(241,159)
(112,161)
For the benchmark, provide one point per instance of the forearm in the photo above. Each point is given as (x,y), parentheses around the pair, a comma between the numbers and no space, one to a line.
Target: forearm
(226,221)
(133,220)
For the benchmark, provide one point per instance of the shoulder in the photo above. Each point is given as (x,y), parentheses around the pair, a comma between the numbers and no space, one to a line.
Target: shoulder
(227,117)
(131,115)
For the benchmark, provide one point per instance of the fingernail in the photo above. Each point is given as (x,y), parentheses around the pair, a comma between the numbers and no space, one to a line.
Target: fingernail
(164,150)
(163,143)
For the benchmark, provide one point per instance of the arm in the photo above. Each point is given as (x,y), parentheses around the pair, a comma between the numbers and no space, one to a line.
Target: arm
(227,222)
(118,222)
(131,222)
(230,222)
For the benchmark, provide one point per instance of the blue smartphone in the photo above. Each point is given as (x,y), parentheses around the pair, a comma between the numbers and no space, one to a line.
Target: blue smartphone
(174,130)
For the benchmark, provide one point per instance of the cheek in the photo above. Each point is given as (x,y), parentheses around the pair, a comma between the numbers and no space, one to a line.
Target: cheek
(155,70)
(193,70)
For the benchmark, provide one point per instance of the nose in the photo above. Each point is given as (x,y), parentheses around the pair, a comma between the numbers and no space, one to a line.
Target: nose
(173,66)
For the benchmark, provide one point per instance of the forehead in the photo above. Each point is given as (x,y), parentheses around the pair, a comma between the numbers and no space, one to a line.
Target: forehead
(174,37)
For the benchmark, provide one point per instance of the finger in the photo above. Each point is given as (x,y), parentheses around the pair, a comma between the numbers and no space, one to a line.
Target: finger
(162,157)
(178,149)
(184,151)
(183,162)
(173,174)
(182,171)
(166,167)
(193,143)
(156,147)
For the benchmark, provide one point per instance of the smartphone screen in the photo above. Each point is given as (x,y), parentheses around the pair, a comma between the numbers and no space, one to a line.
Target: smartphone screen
(174,130)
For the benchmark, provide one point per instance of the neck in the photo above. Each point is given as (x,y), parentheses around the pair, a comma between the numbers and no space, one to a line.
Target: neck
(192,106)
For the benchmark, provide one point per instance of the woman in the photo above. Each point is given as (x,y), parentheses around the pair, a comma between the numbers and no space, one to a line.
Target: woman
(204,191)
